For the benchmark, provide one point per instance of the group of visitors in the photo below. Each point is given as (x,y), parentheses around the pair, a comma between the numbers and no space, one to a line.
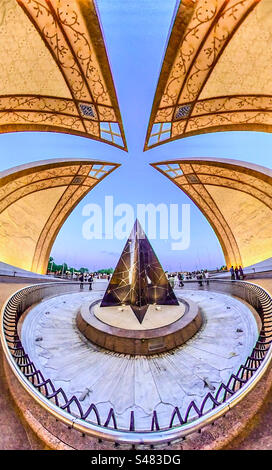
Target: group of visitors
(81,279)
(194,275)
(191,275)
(237,273)
(89,278)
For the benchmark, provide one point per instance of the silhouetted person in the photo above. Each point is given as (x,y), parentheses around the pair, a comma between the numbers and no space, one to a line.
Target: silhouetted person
(90,281)
(241,272)
(232,273)
(81,280)
(236,274)
(199,278)
(180,278)
(206,276)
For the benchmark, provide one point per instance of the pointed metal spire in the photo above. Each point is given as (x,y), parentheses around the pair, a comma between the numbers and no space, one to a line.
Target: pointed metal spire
(138,279)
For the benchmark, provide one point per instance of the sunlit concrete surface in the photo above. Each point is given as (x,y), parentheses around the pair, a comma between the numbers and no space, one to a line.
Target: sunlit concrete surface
(62,84)
(265,283)
(206,82)
(36,199)
(50,337)
(10,270)
(236,199)
(12,433)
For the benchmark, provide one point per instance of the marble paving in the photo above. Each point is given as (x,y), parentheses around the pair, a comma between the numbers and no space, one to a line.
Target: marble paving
(123,317)
(161,382)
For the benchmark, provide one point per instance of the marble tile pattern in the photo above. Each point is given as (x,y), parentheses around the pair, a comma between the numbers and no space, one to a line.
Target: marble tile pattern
(161,382)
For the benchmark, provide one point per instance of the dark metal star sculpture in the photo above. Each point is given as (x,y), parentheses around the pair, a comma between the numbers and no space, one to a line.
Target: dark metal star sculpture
(138,279)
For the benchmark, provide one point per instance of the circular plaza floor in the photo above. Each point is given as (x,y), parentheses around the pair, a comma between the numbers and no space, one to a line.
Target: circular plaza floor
(143,384)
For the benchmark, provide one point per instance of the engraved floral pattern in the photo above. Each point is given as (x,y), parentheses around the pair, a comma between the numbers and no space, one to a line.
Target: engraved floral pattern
(65,196)
(217,183)
(236,103)
(65,39)
(202,40)
(225,120)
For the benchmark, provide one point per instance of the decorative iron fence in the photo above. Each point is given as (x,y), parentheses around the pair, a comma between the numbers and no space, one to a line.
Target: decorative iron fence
(69,409)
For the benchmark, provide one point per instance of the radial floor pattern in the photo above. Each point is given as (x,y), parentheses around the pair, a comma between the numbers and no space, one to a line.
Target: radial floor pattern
(161,382)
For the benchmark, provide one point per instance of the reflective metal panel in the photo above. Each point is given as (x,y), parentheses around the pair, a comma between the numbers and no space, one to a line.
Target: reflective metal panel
(138,279)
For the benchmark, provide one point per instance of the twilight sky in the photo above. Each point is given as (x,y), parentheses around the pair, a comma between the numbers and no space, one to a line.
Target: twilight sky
(135,33)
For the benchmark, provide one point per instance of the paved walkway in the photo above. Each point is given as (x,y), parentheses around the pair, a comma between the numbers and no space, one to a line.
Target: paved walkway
(260,436)
(265,283)
(12,432)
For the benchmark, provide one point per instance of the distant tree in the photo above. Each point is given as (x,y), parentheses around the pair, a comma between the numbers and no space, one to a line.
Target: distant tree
(53,267)
(105,271)
(84,270)
(64,267)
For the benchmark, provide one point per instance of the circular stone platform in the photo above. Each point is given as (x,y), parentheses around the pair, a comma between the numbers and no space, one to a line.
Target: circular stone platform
(156,316)
(159,382)
(163,328)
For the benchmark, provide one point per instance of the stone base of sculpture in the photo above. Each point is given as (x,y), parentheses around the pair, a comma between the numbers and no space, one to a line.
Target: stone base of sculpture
(164,327)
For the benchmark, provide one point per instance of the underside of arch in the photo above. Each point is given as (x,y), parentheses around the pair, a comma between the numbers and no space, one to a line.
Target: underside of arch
(236,199)
(54,71)
(35,201)
(216,73)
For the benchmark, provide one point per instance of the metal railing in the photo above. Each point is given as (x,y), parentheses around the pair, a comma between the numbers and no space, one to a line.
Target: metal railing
(69,409)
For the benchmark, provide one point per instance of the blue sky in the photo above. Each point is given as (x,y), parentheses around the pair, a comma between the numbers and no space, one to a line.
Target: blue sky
(135,33)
